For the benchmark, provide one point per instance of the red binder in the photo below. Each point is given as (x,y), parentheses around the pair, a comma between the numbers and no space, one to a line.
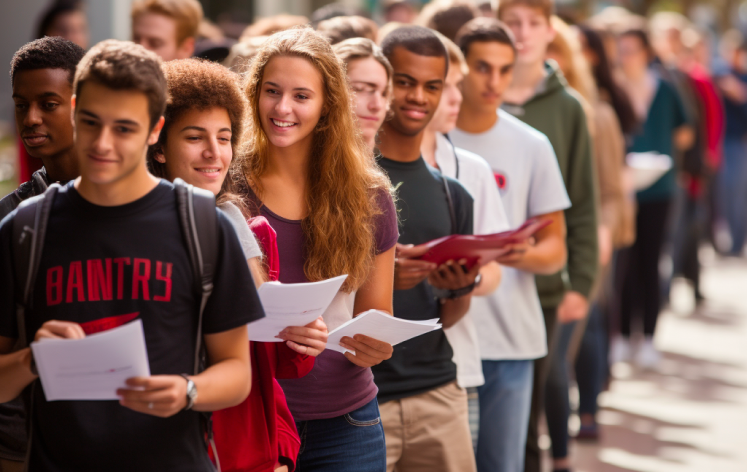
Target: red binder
(486,246)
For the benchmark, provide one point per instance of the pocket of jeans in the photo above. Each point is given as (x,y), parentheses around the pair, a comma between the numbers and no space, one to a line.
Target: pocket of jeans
(361,412)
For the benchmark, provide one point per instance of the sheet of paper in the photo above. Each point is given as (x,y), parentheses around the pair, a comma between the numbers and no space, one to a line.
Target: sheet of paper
(647,168)
(381,326)
(292,305)
(92,368)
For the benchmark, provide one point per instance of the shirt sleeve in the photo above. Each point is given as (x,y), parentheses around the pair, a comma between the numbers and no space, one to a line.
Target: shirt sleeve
(246,237)
(8,326)
(234,301)
(387,231)
(547,192)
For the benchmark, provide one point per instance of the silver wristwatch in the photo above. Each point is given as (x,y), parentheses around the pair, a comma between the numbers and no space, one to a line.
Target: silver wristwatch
(191,392)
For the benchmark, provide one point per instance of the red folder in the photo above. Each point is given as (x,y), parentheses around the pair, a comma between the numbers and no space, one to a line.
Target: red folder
(486,246)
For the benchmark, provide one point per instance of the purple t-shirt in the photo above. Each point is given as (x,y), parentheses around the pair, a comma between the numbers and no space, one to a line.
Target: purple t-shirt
(335,385)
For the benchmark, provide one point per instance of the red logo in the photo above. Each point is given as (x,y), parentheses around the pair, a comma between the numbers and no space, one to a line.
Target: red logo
(501,180)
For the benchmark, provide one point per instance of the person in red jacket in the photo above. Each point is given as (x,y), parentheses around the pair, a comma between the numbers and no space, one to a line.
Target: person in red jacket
(203,126)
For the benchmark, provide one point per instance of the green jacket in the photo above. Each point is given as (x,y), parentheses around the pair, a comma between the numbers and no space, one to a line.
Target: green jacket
(556,111)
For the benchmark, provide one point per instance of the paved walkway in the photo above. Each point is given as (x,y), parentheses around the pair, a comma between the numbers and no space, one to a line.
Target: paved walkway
(691,413)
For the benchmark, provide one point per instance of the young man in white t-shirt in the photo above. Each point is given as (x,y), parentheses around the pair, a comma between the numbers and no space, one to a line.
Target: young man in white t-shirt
(510,323)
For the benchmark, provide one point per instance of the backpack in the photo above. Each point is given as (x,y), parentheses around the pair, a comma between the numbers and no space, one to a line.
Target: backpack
(193,205)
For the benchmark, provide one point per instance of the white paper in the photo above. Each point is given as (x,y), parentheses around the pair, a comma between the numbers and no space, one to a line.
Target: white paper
(92,368)
(292,305)
(648,167)
(382,326)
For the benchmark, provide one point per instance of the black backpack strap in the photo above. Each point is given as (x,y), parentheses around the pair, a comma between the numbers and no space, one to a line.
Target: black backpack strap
(29,230)
(199,223)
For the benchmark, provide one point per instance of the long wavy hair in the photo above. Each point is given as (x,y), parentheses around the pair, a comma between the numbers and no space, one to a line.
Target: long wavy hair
(344,183)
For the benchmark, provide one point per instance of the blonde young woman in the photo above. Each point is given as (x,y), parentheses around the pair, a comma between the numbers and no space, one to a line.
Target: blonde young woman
(370,76)
(310,174)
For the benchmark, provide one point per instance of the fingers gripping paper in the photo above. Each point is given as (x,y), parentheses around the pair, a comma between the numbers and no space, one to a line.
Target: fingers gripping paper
(92,368)
(292,305)
(381,326)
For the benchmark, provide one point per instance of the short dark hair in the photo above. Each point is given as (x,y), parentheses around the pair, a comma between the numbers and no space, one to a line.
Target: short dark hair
(484,30)
(47,53)
(123,65)
(340,28)
(416,39)
(642,36)
(447,17)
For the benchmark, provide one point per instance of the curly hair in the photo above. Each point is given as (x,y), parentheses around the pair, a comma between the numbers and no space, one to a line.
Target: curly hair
(343,179)
(198,84)
(47,53)
(122,65)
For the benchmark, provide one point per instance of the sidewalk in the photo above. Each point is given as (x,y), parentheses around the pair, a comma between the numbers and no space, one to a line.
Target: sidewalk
(691,414)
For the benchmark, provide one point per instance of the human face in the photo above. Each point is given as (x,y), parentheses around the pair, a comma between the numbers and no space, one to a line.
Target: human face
(418,84)
(112,133)
(291,100)
(42,111)
(491,70)
(445,117)
(369,80)
(632,55)
(72,26)
(532,31)
(157,33)
(198,148)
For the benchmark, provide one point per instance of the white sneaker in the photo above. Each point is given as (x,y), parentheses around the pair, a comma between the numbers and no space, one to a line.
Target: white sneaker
(620,350)
(648,356)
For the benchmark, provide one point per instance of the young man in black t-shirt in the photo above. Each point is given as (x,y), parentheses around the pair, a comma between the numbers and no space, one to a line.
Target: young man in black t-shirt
(423,411)
(41,74)
(114,252)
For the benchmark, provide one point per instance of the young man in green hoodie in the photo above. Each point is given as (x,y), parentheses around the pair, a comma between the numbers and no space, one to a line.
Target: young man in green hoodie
(539,96)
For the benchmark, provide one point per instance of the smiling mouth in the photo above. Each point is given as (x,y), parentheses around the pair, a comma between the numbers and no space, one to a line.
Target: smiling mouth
(35,139)
(209,171)
(413,113)
(282,124)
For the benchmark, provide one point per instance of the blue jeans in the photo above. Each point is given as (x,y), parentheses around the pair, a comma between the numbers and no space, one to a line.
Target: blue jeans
(557,404)
(732,191)
(505,399)
(353,442)
(591,362)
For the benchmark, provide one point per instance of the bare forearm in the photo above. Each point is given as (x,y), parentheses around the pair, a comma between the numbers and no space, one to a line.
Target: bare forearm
(545,258)
(223,385)
(453,310)
(490,279)
(15,374)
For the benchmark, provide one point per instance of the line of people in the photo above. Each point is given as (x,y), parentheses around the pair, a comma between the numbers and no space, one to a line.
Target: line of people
(329,154)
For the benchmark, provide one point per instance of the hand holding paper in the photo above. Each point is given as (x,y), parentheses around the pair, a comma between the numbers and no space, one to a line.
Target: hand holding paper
(94,367)
(288,305)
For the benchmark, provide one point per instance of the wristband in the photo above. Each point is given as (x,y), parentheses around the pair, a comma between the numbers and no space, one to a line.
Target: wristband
(458,293)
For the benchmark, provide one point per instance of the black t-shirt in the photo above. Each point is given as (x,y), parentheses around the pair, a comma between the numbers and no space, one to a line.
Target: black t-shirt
(103,267)
(423,363)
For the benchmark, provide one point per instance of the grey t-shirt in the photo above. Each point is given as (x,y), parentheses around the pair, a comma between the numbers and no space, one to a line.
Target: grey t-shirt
(246,237)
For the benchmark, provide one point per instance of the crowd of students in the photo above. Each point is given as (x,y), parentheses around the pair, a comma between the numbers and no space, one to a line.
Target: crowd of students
(342,150)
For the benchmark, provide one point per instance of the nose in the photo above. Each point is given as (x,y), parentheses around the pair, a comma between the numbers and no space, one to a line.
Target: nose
(283,105)
(376,102)
(33,116)
(211,150)
(104,141)
(416,95)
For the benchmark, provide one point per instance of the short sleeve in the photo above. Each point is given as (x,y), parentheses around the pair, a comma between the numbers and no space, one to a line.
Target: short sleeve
(547,191)
(8,326)
(234,301)
(385,222)
(246,237)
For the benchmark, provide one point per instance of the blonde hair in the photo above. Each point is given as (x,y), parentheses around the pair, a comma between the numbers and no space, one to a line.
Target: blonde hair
(186,13)
(344,183)
(456,57)
(577,72)
(273,24)
(545,6)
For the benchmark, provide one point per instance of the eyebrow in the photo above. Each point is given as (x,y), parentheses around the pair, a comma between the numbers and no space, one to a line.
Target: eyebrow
(199,128)
(409,77)
(370,84)
(120,122)
(43,95)
(297,88)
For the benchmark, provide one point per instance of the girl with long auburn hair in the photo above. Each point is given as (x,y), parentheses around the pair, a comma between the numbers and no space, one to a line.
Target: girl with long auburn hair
(308,171)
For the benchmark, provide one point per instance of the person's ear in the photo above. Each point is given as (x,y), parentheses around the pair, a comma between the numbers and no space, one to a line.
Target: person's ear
(159,157)
(72,109)
(156,132)
(187,48)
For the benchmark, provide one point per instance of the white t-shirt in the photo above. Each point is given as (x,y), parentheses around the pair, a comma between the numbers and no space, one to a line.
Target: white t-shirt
(489,217)
(509,322)
(248,242)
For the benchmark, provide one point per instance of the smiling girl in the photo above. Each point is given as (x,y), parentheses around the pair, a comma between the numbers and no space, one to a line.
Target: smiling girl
(204,126)
(310,174)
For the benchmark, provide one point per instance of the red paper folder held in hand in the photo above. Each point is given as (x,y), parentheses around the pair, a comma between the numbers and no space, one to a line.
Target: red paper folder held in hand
(486,247)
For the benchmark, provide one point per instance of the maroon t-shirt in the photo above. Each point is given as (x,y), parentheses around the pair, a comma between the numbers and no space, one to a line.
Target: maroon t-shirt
(335,385)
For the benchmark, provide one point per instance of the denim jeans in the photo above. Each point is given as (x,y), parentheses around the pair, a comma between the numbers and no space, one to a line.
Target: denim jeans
(557,404)
(733,190)
(353,442)
(505,399)
(591,362)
